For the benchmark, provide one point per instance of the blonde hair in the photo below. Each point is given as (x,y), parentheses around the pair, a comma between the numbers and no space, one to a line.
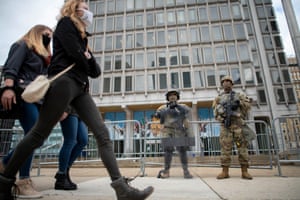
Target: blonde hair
(34,40)
(69,10)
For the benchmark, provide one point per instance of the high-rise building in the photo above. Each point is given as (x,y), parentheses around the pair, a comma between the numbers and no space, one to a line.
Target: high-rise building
(147,47)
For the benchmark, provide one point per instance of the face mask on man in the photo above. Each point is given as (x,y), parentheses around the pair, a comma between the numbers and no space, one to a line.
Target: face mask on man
(87,17)
(46,40)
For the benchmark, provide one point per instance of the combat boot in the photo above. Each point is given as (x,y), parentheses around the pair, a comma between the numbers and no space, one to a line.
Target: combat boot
(69,179)
(125,192)
(187,174)
(245,174)
(224,174)
(6,185)
(164,173)
(62,183)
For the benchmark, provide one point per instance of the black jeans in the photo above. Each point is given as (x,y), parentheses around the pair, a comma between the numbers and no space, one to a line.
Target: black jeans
(63,92)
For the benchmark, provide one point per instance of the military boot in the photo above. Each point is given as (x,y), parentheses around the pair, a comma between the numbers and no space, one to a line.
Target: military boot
(187,174)
(69,179)
(125,192)
(224,173)
(6,185)
(62,183)
(164,173)
(245,174)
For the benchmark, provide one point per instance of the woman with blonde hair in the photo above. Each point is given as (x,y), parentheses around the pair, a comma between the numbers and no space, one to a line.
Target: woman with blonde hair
(70,46)
(27,58)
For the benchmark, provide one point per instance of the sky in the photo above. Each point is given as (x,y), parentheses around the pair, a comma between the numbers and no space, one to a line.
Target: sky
(18,16)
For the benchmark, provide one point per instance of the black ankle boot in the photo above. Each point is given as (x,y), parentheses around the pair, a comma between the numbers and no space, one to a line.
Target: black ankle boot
(69,178)
(6,185)
(62,183)
(126,192)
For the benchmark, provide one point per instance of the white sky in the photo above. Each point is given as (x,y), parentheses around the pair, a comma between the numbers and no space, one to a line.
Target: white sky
(18,16)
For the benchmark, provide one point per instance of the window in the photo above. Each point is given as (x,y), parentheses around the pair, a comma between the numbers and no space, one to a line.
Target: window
(160,19)
(172,37)
(118,62)
(150,39)
(228,32)
(171,17)
(260,12)
(108,43)
(244,52)
(139,60)
(139,22)
(290,95)
(109,24)
(236,12)
(214,13)
(186,76)
(174,80)
(203,17)
(281,57)
(278,43)
(198,79)
(262,96)
(110,6)
(205,35)
(117,84)
(211,78)
(129,41)
(271,58)
(192,15)
(130,5)
(159,3)
(100,8)
(279,95)
(161,40)
(150,4)
(139,4)
(98,43)
(225,14)
(162,81)
(139,40)
(268,42)
(173,57)
(286,76)
(182,36)
(208,55)
(264,27)
(139,83)
(194,35)
(217,33)
(118,42)
(119,5)
(181,17)
(106,84)
(220,54)
(161,58)
(150,59)
(151,84)
(128,83)
(197,56)
(248,75)
(235,75)
(128,63)
(275,76)
(107,63)
(99,24)
(185,56)
(119,23)
(231,53)
(239,31)
(129,21)
(259,77)
(150,19)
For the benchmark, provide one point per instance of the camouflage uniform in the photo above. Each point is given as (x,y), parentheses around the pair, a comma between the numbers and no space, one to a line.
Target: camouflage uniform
(175,132)
(240,105)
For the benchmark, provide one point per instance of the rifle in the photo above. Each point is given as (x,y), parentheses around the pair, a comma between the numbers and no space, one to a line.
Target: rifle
(229,108)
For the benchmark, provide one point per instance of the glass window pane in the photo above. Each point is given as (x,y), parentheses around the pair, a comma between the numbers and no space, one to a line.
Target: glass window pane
(198,79)
(271,58)
(275,76)
(161,58)
(249,76)
(262,96)
(129,22)
(194,35)
(139,61)
(207,55)
(181,17)
(197,56)
(231,53)
(130,5)
(220,54)
(239,31)
(129,41)
(268,42)
(173,58)
(119,5)
(286,76)
(99,24)
(228,32)
(279,95)
(106,84)
(172,37)
(186,76)
(128,83)
(107,63)
(139,21)
(162,81)
(211,77)
(151,82)
(225,14)
(150,4)
(203,17)
(160,19)
(182,36)
(139,83)
(236,76)
(174,80)
(290,95)
(213,13)
(205,35)
(128,63)
(244,52)
(192,15)
(236,12)
(109,24)
(217,33)
(100,8)
(161,40)
(117,84)
(118,42)
(119,23)
(110,6)
(185,56)
(171,17)
(98,43)
(108,43)
(150,39)
(150,59)
(150,19)
(118,62)
(139,4)
(139,37)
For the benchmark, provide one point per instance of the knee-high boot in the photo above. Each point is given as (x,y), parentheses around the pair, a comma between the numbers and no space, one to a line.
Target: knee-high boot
(125,192)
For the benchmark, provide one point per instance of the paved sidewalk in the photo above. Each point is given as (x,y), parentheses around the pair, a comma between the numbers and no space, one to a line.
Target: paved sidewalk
(93,184)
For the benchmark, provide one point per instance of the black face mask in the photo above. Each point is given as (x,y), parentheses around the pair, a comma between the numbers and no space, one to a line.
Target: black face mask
(46,40)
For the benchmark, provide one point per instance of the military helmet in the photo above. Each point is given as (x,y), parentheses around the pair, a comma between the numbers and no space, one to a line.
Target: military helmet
(173,92)
(228,78)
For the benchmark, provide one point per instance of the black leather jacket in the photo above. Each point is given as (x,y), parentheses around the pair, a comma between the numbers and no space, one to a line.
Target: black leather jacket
(23,65)
(69,48)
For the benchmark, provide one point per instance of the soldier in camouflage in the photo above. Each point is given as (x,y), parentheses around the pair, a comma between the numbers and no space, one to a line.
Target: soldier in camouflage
(175,132)
(231,108)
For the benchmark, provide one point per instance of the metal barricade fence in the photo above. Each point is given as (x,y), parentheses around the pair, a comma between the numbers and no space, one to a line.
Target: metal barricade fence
(9,138)
(286,134)
(207,149)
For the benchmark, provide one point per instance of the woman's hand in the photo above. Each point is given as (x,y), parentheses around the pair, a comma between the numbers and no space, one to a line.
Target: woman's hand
(8,98)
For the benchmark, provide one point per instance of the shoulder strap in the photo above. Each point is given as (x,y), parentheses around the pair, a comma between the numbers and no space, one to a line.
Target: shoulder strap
(61,73)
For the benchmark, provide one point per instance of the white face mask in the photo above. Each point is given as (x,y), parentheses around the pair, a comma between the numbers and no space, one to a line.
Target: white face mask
(87,17)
